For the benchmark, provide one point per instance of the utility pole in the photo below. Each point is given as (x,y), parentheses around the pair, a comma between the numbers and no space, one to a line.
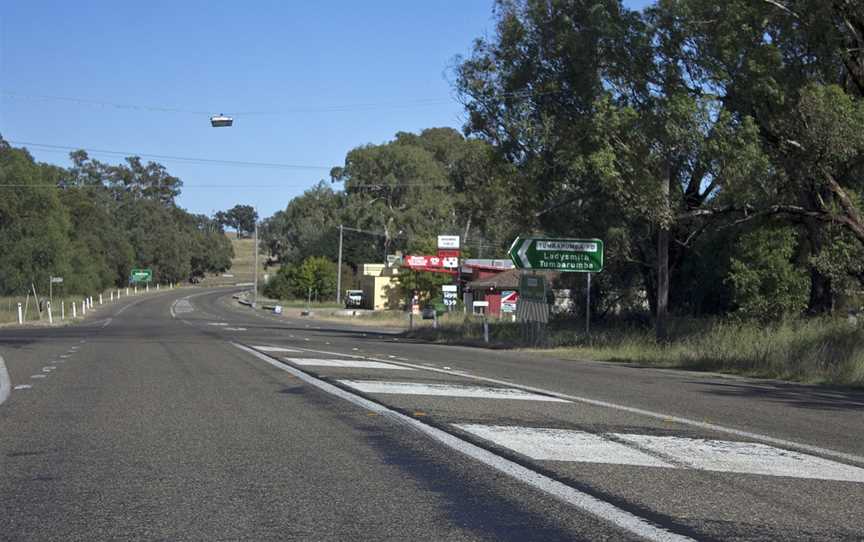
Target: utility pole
(255,282)
(339,270)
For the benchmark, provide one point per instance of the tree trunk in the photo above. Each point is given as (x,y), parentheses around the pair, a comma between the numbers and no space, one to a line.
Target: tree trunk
(662,301)
(663,234)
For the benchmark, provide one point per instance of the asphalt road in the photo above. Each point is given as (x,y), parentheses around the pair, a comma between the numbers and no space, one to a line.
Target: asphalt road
(183,416)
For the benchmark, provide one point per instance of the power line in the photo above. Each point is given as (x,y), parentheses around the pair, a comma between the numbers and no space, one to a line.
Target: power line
(336,108)
(185,159)
(343,108)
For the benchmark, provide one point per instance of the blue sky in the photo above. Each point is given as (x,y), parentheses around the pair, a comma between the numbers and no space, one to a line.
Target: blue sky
(329,76)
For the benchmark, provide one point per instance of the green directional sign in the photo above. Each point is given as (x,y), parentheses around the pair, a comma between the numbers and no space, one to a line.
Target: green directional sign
(141,275)
(567,255)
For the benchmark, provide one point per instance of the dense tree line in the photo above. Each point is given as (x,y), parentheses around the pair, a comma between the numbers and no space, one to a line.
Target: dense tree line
(716,145)
(93,222)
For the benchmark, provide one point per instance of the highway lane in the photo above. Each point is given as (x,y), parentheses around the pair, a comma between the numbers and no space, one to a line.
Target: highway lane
(142,427)
(687,487)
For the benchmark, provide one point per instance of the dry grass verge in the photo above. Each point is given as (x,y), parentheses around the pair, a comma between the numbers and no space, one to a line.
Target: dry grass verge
(820,351)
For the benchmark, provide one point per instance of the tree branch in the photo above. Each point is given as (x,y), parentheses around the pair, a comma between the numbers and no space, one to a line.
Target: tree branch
(784,8)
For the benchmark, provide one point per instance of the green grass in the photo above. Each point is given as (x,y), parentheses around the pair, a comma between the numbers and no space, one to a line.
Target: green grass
(819,351)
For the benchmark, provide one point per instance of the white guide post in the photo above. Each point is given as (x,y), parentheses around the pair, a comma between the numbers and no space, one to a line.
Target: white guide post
(20,314)
(50,316)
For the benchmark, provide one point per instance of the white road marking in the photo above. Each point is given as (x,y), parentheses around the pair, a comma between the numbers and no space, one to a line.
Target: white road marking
(275,349)
(745,457)
(64,356)
(592,505)
(446,390)
(640,411)
(348,363)
(235,329)
(38,376)
(22,387)
(679,452)
(49,368)
(181,306)
(217,324)
(562,445)
(5,382)
(107,322)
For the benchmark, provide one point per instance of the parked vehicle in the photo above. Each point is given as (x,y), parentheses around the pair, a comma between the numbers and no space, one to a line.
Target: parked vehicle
(353,299)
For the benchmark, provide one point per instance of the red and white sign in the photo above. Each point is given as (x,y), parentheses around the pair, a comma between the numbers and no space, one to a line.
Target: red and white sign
(449,257)
(430,263)
(413,262)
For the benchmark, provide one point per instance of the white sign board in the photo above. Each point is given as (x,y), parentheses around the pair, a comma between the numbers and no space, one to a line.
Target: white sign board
(57,280)
(450,294)
(481,304)
(448,241)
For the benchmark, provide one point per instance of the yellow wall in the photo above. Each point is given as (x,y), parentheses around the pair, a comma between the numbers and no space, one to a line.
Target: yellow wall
(380,293)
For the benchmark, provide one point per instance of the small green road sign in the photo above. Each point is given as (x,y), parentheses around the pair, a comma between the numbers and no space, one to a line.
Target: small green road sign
(567,255)
(141,275)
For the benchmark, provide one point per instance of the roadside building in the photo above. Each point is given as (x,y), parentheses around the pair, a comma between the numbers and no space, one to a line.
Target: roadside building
(380,287)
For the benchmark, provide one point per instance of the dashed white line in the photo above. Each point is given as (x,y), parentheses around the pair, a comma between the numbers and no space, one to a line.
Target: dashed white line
(22,387)
(38,376)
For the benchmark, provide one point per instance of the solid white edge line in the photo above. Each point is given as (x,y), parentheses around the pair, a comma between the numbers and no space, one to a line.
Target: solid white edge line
(5,382)
(633,410)
(592,505)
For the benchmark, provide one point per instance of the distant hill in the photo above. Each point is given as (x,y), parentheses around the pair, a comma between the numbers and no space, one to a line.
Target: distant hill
(242,265)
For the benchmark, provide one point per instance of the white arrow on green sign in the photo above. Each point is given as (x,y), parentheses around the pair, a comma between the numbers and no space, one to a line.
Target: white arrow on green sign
(550,254)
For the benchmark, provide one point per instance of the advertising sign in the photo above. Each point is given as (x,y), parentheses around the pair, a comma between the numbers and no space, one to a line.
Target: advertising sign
(509,299)
(429,263)
(450,294)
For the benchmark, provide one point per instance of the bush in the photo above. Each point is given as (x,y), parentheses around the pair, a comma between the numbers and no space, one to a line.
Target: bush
(766,285)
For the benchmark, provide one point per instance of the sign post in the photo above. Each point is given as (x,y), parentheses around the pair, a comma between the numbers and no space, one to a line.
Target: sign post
(563,255)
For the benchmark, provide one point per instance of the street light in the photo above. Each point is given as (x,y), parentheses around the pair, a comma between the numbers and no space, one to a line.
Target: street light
(219,121)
